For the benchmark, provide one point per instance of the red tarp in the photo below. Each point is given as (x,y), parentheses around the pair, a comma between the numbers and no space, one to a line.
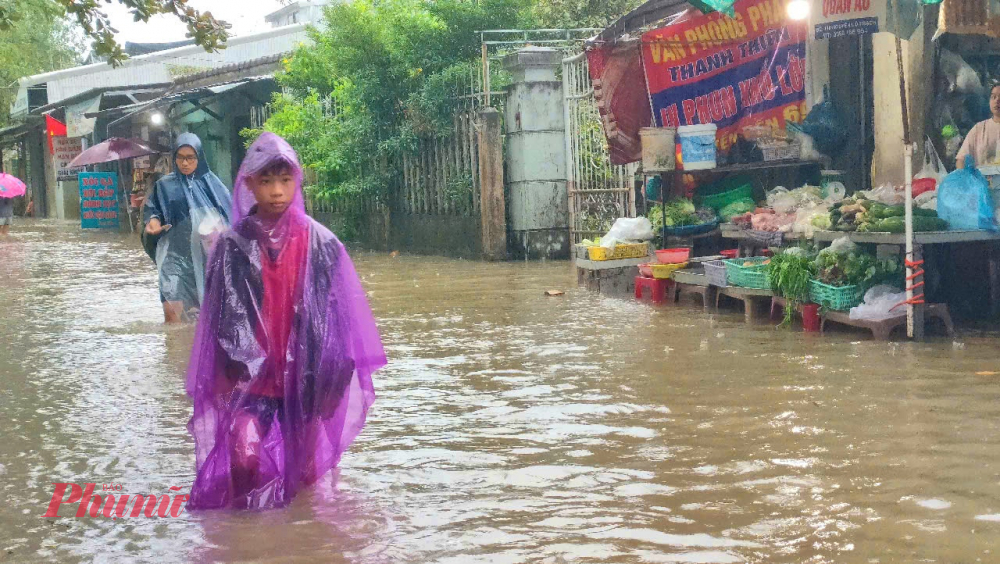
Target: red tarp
(621,98)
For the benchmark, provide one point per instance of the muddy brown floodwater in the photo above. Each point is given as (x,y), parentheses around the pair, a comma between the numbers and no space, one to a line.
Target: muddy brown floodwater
(510,427)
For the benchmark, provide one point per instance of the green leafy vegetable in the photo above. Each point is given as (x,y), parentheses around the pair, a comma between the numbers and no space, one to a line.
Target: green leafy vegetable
(857,269)
(790,273)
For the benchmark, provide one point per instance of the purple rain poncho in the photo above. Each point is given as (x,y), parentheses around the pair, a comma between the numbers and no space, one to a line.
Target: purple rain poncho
(280,387)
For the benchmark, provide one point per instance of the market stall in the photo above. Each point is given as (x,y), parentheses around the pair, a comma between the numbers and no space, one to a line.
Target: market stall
(735,163)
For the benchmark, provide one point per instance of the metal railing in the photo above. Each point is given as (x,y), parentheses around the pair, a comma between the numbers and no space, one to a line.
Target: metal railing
(599,192)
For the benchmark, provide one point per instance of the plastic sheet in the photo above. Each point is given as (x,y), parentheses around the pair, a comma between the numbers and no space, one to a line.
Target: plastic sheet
(285,348)
(627,229)
(879,303)
(197,209)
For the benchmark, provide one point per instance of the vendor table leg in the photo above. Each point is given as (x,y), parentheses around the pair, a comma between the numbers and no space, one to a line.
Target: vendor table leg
(918,309)
(994,266)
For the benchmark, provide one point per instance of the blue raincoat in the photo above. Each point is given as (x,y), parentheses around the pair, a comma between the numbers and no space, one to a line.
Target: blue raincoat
(197,207)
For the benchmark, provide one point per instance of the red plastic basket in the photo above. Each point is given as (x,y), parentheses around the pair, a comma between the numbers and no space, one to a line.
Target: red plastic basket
(673,256)
(730,254)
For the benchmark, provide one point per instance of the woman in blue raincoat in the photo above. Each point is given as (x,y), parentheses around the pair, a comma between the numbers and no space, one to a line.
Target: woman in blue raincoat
(185,211)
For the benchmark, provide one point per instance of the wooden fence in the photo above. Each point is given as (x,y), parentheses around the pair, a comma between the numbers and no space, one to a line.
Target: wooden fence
(442,176)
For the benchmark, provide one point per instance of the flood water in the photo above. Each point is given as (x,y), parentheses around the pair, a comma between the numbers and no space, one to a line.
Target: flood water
(509,427)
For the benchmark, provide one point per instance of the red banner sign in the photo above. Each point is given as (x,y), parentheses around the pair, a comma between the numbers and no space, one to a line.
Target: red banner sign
(733,72)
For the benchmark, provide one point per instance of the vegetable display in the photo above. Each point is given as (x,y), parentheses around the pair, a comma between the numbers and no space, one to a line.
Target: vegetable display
(859,214)
(679,213)
(790,273)
(856,268)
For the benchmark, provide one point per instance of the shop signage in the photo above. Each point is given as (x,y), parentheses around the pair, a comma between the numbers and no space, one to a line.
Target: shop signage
(840,18)
(64,150)
(98,200)
(731,71)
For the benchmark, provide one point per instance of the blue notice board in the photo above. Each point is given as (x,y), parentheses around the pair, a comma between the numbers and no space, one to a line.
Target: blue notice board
(98,200)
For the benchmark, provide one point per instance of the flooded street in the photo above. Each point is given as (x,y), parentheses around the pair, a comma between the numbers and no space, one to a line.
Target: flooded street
(509,427)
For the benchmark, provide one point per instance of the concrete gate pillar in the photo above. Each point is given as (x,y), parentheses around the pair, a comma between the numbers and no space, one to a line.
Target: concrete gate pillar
(536,156)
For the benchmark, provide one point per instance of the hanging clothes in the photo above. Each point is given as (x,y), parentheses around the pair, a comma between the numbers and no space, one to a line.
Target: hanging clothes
(197,207)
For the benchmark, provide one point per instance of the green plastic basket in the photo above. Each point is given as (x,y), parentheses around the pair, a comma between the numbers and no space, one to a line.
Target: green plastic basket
(725,192)
(754,276)
(837,298)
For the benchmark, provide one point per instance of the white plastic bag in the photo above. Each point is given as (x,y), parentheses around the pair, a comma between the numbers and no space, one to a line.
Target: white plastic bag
(804,218)
(959,74)
(781,200)
(933,167)
(627,229)
(927,200)
(879,303)
(209,229)
(809,152)
(885,194)
(843,245)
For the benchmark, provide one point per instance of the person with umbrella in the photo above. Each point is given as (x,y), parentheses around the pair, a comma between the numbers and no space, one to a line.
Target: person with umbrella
(184,213)
(10,188)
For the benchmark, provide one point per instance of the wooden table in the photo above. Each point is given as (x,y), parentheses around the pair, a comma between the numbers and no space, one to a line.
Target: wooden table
(920,239)
(694,281)
(609,277)
(746,244)
(751,298)
(882,329)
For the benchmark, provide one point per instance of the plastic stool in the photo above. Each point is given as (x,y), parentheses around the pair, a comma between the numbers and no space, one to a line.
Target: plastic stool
(657,288)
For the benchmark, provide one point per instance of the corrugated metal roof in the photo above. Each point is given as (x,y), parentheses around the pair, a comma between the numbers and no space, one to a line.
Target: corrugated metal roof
(155,68)
(99,91)
(179,96)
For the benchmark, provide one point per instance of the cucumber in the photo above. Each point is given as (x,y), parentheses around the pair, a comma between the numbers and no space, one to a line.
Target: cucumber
(897,224)
(900,211)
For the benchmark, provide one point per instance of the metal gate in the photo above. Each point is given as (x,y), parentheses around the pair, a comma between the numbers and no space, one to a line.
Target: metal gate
(599,192)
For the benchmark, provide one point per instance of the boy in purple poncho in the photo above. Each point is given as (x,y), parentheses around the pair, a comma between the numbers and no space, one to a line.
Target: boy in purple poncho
(286,344)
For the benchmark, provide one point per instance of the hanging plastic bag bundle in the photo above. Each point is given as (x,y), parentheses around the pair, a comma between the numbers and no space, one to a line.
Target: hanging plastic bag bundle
(932,173)
(964,199)
(825,126)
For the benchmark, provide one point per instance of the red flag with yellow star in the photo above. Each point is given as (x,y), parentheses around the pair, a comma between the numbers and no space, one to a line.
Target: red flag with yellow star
(54,127)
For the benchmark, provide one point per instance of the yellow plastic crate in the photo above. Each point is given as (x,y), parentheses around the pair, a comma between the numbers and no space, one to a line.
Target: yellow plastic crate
(628,251)
(663,271)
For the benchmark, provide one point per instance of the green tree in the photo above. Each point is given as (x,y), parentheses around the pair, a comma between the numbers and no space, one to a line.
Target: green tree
(41,41)
(202,26)
(392,70)
(581,13)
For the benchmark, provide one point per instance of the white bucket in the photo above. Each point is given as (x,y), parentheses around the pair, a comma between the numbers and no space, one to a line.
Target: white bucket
(698,146)
(659,147)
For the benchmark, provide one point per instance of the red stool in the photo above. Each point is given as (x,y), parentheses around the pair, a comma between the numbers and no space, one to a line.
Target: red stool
(657,288)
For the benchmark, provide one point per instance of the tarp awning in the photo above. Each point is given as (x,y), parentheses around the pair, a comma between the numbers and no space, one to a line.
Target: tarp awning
(77,124)
(646,15)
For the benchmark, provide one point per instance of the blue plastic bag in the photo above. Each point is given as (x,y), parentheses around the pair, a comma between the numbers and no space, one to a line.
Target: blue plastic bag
(964,199)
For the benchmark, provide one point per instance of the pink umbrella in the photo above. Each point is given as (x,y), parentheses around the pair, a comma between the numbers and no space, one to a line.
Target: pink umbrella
(114,149)
(11,186)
